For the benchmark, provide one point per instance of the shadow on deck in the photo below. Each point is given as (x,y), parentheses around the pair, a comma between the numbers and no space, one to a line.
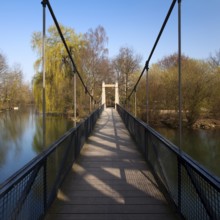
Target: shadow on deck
(110,180)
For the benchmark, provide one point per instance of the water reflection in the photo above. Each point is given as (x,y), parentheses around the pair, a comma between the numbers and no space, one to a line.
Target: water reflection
(21,138)
(55,128)
(201,145)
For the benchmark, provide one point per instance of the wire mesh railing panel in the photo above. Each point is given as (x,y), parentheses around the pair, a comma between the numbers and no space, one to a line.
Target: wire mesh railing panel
(33,205)
(140,137)
(81,135)
(58,164)
(51,173)
(15,200)
(29,192)
(199,197)
(71,153)
(194,191)
(191,205)
(164,163)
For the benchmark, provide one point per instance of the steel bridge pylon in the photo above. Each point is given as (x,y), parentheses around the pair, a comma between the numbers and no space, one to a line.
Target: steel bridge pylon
(104,93)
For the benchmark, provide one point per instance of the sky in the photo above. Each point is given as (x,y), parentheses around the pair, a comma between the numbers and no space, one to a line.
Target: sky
(128,23)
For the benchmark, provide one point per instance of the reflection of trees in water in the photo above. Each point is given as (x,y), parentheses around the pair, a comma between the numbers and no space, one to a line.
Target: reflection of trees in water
(12,126)
(55,128)
(3,152)
(21,136)
(37,143)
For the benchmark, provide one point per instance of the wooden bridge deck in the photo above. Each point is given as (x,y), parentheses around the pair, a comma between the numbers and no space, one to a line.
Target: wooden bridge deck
(110,180)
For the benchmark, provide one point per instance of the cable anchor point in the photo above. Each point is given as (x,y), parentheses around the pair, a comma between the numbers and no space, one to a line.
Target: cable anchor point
(44,3)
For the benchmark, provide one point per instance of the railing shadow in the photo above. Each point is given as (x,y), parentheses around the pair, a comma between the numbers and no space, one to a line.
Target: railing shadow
(110,176)
(193,189)
(30,191)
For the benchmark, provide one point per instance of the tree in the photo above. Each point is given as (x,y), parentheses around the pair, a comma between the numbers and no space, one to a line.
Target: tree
(196,82)
(59,86)
(3,71)
(125,64)
(3,65)
(95,62)
(214,61)
(214,100)
(14,85)
(13,91)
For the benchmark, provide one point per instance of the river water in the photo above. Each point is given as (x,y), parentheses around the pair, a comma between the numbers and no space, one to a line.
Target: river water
(21,138)
(202,145)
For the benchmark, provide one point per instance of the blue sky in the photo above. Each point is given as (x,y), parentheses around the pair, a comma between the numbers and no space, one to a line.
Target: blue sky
(128,23)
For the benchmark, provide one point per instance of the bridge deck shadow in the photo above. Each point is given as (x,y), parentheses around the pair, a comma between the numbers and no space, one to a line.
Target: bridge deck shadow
(110,180)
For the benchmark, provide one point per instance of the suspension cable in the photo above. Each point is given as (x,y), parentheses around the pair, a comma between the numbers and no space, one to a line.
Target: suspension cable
(146,67)
(46,2)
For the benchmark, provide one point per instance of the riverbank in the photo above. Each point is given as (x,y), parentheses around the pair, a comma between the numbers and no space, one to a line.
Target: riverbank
(206,123)
(173,122)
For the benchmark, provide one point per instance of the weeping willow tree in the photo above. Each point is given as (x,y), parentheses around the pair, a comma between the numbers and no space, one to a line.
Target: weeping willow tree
(59,75)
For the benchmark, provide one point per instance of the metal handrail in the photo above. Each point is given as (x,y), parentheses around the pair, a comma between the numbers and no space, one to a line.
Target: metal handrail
(192,188)
(31,190)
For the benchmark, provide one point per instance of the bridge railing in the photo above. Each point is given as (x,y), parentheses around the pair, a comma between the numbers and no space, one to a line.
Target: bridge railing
(194,191)
(30,191)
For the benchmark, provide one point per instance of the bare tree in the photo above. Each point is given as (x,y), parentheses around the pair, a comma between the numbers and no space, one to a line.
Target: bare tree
(95,63)
(3,72)
(13,91)
(3,64)
(214,61)
(214,100)
(125,64)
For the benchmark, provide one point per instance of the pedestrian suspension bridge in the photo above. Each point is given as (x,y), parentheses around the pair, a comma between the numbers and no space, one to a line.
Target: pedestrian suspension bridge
(112,166)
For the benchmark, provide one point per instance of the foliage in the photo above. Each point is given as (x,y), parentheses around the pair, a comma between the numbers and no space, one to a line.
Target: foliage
(89,54)
(197,86)
(13,91)
(59,85)
(200,78)
(214,100)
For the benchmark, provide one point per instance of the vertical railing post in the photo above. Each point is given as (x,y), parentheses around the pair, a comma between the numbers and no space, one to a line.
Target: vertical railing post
(45,185)
(135,103)
(90,104)
(74,85)
(128,105)
(179,182)
(146,143)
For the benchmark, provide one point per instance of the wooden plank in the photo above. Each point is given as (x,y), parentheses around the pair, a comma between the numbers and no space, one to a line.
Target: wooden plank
(121,216)
(110,179)
(109,201)
(112,209)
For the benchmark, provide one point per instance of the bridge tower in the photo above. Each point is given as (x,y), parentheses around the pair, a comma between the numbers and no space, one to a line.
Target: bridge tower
(104,93)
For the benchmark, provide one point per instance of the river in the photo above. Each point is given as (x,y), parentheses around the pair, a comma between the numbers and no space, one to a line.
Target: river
(202,145)
(21,138)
